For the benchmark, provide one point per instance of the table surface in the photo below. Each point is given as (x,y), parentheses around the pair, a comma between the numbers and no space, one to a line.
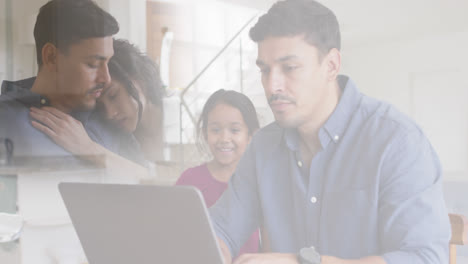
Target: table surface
(34,164)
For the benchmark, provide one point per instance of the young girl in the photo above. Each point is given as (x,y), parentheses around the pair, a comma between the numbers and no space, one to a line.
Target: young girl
(227,123)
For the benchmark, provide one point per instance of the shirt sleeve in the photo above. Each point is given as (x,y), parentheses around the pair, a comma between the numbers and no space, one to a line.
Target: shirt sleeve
(120,143)
(414,226)
(181,180)
(184,178)
(236,214)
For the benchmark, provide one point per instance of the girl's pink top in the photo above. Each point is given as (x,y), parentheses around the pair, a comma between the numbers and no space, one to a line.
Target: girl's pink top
(212,189)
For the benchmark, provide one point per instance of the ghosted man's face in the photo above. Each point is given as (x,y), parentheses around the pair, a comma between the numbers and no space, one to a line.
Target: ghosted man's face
(82,71)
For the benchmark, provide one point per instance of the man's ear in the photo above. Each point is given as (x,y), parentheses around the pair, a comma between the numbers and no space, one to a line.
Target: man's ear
(333,60)
(50,56)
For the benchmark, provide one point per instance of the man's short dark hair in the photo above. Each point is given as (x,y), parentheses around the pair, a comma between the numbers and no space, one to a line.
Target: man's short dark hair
(290,18)
(66,22)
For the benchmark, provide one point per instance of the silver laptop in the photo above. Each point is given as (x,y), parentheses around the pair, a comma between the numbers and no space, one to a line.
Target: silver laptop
(141,223)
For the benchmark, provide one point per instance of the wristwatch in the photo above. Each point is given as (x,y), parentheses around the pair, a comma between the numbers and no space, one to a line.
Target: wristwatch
(309,255)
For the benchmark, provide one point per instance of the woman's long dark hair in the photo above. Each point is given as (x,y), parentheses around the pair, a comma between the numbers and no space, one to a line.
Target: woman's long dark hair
(119,74)
(129,65)
(140,68)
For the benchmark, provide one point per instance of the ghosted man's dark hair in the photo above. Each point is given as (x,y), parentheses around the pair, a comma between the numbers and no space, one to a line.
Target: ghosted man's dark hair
(67,22)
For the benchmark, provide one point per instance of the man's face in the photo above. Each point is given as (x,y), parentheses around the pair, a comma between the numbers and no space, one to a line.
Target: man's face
(82,72)
(293,77)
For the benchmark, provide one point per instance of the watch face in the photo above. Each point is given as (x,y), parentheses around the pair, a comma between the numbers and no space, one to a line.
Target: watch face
(309,256)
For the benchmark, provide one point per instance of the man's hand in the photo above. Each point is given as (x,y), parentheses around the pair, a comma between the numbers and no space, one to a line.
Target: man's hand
(267,258)
(283,258)
(225,251)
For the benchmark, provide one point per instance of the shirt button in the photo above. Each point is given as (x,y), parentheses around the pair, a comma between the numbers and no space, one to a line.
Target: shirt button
(313,199)
(336,138)
(299,163)
(43,101)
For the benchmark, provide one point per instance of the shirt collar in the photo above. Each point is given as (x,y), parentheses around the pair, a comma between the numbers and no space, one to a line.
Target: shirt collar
(21,92)
(335,126)
(291,136)
(8,86)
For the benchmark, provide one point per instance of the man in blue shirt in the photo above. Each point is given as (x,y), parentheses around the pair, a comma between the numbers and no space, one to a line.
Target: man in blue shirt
(339,177)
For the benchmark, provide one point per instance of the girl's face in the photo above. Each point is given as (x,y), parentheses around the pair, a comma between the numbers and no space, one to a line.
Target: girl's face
(119,107)
(227,134)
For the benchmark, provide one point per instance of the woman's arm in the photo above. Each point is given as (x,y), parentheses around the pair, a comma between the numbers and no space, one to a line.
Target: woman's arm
(69,133)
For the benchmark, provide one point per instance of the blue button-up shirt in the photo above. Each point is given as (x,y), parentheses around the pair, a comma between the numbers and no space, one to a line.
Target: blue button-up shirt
(15,123)
(374,188)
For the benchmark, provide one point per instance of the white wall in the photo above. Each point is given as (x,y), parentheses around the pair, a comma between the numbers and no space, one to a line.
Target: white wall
(131,15)
(24,59)
(424,77)
(3,54)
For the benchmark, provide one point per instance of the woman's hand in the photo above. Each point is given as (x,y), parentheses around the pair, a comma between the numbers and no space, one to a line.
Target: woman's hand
(64,130)
(69,133)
